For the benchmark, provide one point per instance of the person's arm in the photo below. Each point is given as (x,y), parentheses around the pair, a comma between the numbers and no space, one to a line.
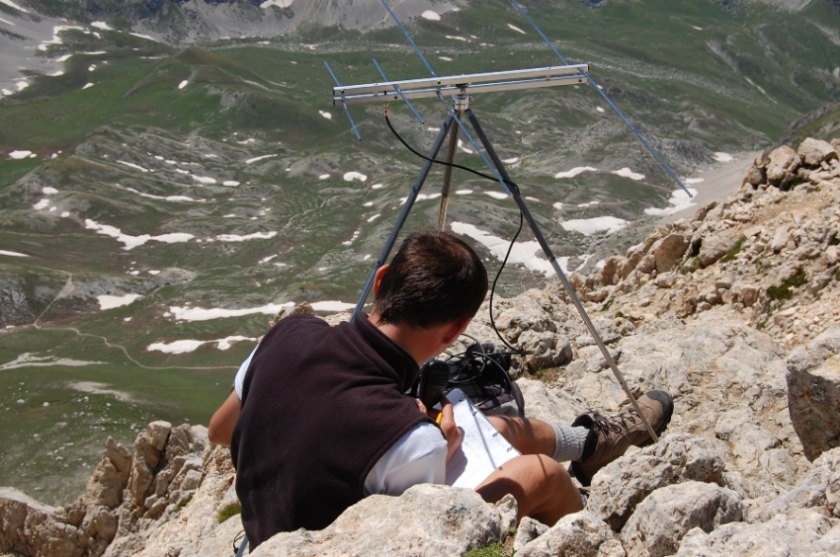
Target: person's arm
(451,432)
(220,429)
(417,457)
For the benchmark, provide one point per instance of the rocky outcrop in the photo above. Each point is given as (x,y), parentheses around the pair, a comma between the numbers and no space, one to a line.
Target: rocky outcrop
(735,312)
(813,381)
(124,496)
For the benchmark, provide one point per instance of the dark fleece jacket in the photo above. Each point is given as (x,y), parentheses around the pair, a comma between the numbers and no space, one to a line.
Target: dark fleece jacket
(320,406)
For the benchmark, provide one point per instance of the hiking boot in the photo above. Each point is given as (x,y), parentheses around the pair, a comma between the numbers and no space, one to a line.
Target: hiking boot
(610,436)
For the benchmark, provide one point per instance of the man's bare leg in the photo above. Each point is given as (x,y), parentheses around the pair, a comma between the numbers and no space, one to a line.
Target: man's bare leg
(542,487)
(526,435)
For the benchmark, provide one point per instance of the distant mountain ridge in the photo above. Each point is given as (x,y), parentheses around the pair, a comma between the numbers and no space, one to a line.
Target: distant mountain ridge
(190,21)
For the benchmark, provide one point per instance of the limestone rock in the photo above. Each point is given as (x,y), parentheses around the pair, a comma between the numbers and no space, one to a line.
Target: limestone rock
(782,165)
(450,522)
(581,534)
(668,250)
(813,380)
(819,490)
(803,535)
(815,151)
(618,488)
(717,246)
(528,530)
(661,520)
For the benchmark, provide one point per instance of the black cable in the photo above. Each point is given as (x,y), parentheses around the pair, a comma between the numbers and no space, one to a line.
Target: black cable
(444,163)
(493,290)
(511,185)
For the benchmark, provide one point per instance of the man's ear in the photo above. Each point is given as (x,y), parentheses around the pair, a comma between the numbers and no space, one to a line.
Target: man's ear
(377,278)
(454,330)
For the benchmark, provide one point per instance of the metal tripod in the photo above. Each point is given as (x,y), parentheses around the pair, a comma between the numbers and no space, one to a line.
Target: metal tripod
(463,109)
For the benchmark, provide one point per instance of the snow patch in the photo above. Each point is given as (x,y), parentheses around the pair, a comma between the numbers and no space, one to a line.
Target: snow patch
(515,28)
(183,84)
(111,302)
(421,197)
(12,253)
(18,155)
(723,157)
(325,114)
(350,176)
(575,171)
(131,242)
(679,200)
(30,360)
(430,15)
(523,253)
(255,159)
(186,346)
(627,173)
(496,194)
(277,3)
(206,314)
(239,238)
(101,25)
(14,6)
(588,227)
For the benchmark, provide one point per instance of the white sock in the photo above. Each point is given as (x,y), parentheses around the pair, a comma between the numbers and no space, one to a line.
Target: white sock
(569,442)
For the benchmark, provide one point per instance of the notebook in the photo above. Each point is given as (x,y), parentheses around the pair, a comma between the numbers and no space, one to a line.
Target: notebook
(482,450)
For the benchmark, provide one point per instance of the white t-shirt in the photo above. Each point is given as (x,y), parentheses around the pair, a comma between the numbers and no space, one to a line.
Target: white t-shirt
(419,456)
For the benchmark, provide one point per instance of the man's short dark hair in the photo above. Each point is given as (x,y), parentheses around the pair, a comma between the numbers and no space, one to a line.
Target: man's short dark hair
(435,278)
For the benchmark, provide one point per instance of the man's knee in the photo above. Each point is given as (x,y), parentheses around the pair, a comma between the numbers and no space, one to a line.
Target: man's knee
(542,487)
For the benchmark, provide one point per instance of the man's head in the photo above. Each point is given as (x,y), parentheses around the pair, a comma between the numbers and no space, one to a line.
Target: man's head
(435,278)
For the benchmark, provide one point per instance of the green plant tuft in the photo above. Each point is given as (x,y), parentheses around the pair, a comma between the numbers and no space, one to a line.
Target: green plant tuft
(183,502)
(229,510)
(495,550)
(733,251)
(783,291)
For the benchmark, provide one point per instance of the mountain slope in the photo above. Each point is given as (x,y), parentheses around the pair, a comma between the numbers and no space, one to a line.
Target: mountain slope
(159,202)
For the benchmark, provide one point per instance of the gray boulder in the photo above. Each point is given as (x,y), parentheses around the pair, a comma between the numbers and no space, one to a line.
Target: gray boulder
(661,520)
(425,520)
(813,380)
(580,534)
(814,151)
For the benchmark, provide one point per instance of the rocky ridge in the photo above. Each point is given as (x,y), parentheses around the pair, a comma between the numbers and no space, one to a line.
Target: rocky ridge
(734,312)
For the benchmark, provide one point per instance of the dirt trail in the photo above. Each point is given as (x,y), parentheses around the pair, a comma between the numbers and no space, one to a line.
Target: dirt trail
(718,184)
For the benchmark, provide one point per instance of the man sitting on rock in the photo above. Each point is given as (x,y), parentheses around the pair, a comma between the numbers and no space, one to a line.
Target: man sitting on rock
(324,421)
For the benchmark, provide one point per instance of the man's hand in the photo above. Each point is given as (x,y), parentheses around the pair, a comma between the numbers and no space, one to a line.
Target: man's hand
(445,417)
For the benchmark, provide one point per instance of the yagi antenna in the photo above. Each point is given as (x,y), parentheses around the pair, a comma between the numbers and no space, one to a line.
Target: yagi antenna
(458,84)
(600,90)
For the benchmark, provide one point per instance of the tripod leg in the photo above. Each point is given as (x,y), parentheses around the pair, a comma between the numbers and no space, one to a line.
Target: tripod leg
(447,177)
(517,197)
(403,216)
